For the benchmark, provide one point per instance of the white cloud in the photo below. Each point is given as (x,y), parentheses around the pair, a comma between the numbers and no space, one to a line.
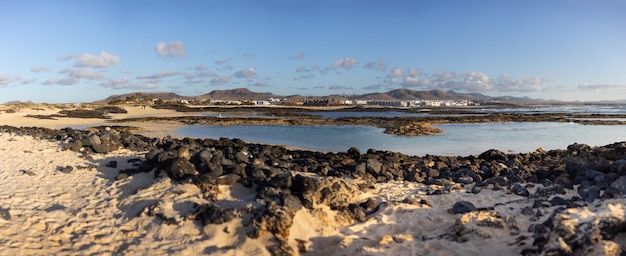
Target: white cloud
(69,57)
(82,73)
(206,74)
(171,49)
(381,65)
(246,73)
(103,60)
(396,73)
(299,55)
(125,83)
(127,71)
(372,87)
(61,81)
(220,80)
(249,55)
(36,69)
(505,83)
(302,69)
(200,67)
(29,81)
(345,63)
(442,76)
(220,62)
(410,81)
(260,83)
(472,81)
(163,74)
(339,87)
(5,79)
(414,72)
(600,87)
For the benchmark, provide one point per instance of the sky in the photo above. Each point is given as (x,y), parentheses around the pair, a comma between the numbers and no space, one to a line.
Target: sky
(81,51)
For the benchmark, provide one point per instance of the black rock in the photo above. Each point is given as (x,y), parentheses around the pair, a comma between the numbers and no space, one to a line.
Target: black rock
(494,154)
(374,166)
(360,169)
(520,190)
(557,200)
(612,192)
(463,207)
(241,157)
(354,153)
(281,181)
(357,212)
(5,214)
(291,201)
(620,184)
(551,190)
(477,189)
(304,184)
(66,169)
(213,214)
(593,193)
(432,173)
(153,155)
(181,168)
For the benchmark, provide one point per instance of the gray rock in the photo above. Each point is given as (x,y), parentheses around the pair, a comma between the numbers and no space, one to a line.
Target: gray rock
(280,181)
(620,184)
(5,214)
(66,169)
(374,166)
(153,155)
(241,157)
(520,190)
(213,214)
(91,140)
(228,179)
(463,207)
(360,169)
(105,147)
(180,168)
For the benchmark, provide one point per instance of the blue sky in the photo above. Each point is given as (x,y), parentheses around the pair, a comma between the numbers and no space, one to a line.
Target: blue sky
(75,51)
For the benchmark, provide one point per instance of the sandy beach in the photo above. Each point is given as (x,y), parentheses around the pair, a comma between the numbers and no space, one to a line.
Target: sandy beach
(62,202)
(19,119)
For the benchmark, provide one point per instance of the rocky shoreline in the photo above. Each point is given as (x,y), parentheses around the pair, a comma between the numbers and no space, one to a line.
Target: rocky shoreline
(403,126)
(287,181)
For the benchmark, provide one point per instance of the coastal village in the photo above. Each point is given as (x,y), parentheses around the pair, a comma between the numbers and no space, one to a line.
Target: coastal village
(139,98)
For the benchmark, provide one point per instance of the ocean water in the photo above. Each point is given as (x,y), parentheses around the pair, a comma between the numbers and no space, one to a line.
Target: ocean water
(457,139)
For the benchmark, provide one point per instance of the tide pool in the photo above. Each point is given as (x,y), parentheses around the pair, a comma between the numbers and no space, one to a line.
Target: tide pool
(457,139)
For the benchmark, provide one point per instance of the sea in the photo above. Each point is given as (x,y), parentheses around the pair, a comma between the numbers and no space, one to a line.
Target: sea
(456,140)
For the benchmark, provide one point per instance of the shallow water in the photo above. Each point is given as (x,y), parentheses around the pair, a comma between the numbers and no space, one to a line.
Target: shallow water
(457,139)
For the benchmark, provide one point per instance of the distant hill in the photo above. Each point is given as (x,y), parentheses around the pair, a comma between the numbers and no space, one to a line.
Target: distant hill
(236,94)
(168,96)
(17,102)
(406,94)
(394,95)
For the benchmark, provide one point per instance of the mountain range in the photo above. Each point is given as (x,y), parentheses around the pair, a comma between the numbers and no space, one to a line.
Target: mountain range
(394,95)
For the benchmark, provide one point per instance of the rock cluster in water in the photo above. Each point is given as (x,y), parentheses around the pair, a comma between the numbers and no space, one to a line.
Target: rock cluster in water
(288,180)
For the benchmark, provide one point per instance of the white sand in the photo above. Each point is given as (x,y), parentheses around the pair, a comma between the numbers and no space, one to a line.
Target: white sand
(88,212)
(152,129)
